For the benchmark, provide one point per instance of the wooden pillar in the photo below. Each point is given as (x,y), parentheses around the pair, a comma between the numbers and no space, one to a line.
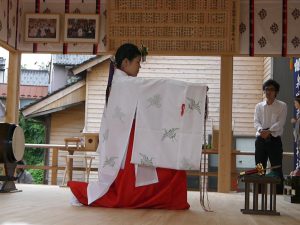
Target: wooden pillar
(54,166)
(13,87)
(225,126)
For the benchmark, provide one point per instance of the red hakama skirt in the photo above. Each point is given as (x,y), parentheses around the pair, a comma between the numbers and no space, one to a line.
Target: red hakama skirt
(169,193)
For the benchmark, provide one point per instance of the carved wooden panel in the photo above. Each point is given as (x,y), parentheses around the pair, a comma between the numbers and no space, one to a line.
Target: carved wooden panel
(175,27)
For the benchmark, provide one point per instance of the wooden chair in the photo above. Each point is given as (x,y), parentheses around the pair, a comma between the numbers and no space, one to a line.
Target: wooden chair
(87,159)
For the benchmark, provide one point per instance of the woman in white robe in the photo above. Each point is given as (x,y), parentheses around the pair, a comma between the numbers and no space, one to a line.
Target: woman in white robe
(170,192)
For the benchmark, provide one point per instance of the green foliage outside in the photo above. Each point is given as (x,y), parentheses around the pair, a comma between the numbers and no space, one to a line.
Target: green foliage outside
(37,175)
(34,133)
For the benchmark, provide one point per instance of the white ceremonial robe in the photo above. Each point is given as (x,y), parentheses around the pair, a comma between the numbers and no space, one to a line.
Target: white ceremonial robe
(169,129)
(114,133)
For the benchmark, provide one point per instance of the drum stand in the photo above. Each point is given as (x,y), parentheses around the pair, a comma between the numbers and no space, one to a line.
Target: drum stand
(8,179)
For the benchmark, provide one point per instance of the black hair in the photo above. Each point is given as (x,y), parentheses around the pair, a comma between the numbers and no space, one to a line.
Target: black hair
(110,76)
(297,98)
(126,51)
(21,163)
(271,82)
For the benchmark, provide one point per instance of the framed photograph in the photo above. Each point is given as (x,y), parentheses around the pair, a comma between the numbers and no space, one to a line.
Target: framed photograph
(42,28)
(81,28)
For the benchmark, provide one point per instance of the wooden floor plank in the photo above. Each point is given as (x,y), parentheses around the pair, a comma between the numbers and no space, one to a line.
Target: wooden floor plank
(48,205)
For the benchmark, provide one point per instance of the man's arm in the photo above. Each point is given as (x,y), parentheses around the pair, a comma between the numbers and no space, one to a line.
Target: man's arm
(281,120)
(257,122)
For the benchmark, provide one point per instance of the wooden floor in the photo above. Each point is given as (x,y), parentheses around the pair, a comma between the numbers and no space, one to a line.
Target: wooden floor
(43,205)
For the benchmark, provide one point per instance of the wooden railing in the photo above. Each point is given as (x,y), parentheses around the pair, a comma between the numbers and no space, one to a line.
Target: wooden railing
(59,147)
(54,162)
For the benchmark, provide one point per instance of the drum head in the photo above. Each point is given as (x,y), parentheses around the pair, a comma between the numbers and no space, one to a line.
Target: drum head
(18,143)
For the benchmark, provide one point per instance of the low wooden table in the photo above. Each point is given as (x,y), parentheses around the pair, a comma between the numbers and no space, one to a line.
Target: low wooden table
(267,186)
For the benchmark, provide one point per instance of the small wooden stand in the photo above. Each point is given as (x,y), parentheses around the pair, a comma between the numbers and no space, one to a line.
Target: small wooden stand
(87,162)
(69,160)
(268,190)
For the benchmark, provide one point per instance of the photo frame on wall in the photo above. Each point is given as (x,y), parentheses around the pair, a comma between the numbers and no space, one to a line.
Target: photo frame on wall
(81,28)
(42,27)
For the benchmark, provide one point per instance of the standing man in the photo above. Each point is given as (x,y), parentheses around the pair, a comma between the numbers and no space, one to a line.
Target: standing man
(269,119)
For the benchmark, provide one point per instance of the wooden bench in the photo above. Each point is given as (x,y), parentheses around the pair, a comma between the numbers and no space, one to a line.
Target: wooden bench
(267,186)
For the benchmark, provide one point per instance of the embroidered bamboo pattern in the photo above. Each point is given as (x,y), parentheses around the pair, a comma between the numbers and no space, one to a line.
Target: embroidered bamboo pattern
(145,160)
(193,105)
(154,101)
(171,134)
(110,161)
(119,114)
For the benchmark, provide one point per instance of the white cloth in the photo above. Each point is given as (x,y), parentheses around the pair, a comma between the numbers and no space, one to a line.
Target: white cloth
(268,27)
(293,33)
(270,116)
(244,27)
(74,201)
(145,175)
(114,133)
(169,124)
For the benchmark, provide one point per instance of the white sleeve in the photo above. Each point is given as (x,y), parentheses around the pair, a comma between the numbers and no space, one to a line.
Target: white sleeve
(257,122)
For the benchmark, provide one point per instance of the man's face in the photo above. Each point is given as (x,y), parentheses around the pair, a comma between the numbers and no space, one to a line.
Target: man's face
(270,92)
